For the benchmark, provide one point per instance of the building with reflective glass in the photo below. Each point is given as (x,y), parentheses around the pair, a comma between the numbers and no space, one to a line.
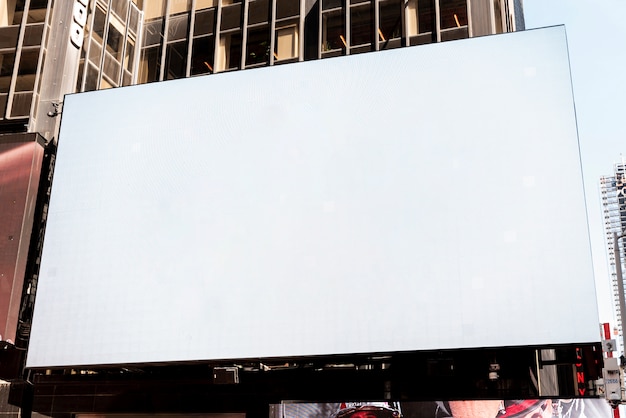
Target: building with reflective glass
(50,48)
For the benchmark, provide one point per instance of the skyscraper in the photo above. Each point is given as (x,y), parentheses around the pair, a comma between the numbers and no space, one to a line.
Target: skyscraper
(613,192)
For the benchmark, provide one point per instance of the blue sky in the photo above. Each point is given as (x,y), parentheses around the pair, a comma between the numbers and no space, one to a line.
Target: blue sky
(597,46)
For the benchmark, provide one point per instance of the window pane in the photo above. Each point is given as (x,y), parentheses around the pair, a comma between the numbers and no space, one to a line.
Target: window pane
(426,15)
(27,70)
(33,34)
(37,11)
(231,17)
(153,32)
(286,42)
(8,36)
(21,105)
(150,64)
(202,55)
(129,55)
(333,31)
(331,4)
(230,51)
(258,12)
(7,61)
(258,48)
(390,20)
(287,8)
(205,4)
(178,27)
(98,24)
(453,13)
(361,25)
(176,60)
(115,42)
(205,22)
(120,8)
(91,81)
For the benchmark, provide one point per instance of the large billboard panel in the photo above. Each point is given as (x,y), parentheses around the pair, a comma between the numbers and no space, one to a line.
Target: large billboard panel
(414,199)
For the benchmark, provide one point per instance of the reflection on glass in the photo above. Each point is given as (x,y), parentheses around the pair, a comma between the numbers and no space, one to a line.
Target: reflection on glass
(11,12)
(331,4)
(91,80)
(178,27)
(115,42)
(33,35)
(21,104)
(426,15)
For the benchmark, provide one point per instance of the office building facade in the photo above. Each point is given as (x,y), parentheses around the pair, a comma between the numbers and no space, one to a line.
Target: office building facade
(613,195)
(52,48)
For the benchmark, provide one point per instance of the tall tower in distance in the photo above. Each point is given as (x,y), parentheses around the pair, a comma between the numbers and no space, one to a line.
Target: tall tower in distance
(613,192)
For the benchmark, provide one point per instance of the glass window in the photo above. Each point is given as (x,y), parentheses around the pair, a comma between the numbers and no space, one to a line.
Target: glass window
(95,52)
(120,8)
(497,11)
(115,42)
(8,36)
(331,4)
(176,60)
(258,12)
(129,54)
(178,27)
(287,8)
(204,23)
(230,51)
(258,47)
(111,67)
(453,13)
(21,105)
(27,70)
(33,35)
(286,42)
(390,19)
(149,66)
(231,17)
(91,80)
(202,54)
(361,25)
(153,32)
(37,11)
(426,15)
(98,24)
(7,61)
(333,31)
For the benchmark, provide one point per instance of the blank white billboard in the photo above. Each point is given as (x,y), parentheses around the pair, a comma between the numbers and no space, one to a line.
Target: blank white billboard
(414,199)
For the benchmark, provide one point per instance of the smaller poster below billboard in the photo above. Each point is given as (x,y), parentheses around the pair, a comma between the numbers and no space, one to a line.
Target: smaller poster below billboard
(526,408)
